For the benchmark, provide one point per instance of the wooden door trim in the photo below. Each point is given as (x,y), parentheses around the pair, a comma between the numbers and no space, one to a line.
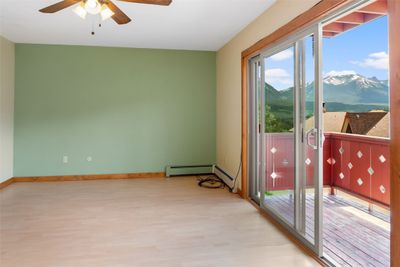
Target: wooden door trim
(87,177)
(313,14)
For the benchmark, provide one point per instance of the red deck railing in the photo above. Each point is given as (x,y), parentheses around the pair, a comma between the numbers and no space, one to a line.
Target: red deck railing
(358,164)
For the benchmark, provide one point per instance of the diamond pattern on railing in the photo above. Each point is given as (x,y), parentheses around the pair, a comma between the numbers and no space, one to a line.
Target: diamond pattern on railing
(364,164)
(274,175)
(370,170)
(273,150)
(308,161)
(331,161)
(350,165)
(341,175)
(382,189)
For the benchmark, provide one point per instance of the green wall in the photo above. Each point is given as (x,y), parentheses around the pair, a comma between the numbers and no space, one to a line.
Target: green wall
(131,110)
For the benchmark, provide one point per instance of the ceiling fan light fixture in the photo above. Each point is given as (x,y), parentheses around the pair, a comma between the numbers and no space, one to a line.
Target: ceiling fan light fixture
(92,7)
(104,8)
(80,10)
(106,12)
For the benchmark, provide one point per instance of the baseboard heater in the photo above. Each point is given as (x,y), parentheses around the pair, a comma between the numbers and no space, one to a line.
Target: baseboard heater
(220,173)
(188,170)
(182,170)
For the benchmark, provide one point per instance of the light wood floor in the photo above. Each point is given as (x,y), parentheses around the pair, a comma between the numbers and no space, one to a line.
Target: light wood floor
(139,222)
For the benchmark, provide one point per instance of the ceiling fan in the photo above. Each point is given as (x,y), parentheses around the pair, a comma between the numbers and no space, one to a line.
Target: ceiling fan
(105,8)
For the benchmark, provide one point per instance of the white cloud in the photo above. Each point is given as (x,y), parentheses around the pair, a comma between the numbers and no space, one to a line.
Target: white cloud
(378,60)
(278,76)
(340,73)
(379,55)
(286,54)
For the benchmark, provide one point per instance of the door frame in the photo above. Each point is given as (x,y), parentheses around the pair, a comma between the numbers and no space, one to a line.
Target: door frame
(297,42)
(321,10)
(254,129)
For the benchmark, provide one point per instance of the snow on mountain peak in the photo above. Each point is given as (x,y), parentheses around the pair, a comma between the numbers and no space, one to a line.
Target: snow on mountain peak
(347,76)
(340,73)
(340,77)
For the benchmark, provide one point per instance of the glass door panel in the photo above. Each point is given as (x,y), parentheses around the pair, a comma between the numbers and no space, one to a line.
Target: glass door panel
(308,143)
(291,136)
(279,133)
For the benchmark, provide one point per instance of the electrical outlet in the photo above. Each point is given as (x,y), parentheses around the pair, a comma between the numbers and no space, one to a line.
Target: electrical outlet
(65,159)
(89,159)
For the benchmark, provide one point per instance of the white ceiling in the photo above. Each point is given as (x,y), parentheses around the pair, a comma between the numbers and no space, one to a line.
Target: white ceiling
(185,24)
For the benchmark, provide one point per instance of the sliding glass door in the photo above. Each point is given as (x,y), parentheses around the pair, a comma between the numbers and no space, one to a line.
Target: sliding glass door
(286,135)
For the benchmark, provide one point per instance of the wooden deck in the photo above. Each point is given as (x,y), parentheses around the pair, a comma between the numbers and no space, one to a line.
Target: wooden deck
(353,236)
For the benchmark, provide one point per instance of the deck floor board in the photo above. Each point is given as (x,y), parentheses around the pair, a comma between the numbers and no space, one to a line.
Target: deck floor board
(349,239)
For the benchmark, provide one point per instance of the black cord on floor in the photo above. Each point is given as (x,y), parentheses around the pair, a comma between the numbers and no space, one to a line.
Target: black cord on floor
(237,174)
(211,181)
(214,182)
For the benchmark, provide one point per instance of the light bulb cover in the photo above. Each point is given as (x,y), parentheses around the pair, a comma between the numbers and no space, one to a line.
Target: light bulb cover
(91,3)
(106,12)
(80,10)
(92,7)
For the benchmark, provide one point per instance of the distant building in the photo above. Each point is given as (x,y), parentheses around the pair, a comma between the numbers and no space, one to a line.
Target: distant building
(373,123)
(382,127)
(362,122)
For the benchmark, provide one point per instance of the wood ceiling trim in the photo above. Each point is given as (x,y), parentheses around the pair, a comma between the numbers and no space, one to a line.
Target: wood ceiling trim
(379,7)
(353,18)
(311,15)
(358,17)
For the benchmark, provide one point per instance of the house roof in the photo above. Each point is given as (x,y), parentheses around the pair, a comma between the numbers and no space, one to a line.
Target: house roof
(374,123)
(381,128)
(333,121)
(361,122)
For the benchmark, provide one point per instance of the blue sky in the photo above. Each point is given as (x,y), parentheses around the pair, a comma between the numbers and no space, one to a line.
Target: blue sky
(362,50)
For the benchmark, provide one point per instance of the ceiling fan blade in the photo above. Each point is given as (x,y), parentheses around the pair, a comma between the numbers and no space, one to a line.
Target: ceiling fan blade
(59,6)
(119,16)
(150,2)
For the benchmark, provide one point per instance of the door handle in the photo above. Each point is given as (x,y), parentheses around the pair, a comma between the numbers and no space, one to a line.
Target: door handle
(314,132)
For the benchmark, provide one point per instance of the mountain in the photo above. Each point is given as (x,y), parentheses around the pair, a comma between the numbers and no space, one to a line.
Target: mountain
(345,88)
(352,88)
(335,106)
(343,91)
(279,105)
